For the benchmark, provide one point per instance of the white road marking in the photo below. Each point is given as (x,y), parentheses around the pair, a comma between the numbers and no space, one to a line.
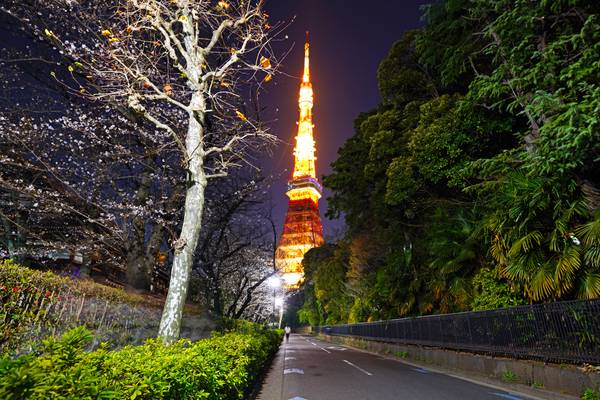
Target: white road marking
(297,398)
(337,348)
(293,371)
(290,358)
(421,370)
(316,345)
(506,396)
(325,350)
(358,368)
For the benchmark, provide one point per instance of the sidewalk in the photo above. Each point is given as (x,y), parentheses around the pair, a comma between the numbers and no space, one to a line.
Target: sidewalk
(272,387)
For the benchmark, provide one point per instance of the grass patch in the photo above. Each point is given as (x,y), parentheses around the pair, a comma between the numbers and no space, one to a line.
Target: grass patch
(509,377)
(591,394)
(402,354)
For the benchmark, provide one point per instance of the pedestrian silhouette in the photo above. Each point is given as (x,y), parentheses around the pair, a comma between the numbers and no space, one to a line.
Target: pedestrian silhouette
(288,330)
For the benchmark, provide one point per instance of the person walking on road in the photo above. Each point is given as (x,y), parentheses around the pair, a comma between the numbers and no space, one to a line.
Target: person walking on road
(288,330)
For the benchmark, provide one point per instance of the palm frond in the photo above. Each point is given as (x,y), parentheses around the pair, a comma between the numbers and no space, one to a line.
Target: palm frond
(568,263)
(498,250)
(522,268)
(589,286)
(543,285)
(592,256)
(526,243)
(451,267)
(589,233)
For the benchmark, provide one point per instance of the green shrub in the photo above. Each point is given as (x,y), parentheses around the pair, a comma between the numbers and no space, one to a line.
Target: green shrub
(16,279)
(240,325)
(221,367)
(591,394)
(492,292)
(509,377)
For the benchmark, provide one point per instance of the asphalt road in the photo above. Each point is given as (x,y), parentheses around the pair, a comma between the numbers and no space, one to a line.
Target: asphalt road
(311,369)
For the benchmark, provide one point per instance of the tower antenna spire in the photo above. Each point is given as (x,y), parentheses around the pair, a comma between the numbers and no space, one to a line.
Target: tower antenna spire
(306,74)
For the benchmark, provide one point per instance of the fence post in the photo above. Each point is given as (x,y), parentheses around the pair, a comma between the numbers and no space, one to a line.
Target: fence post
(80,308)
(103,313)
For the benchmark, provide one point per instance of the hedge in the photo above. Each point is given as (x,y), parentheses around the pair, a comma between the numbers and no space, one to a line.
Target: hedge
(221,367)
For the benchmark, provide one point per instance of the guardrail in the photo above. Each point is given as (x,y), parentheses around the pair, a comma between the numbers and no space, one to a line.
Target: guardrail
(562,332)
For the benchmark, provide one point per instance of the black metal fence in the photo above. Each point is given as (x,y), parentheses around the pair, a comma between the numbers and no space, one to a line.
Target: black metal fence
(562,332)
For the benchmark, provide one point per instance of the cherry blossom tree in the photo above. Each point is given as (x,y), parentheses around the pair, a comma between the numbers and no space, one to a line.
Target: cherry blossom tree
(79,177)
(183,66)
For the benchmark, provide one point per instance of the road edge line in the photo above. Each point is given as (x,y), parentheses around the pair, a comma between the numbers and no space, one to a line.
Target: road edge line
(557,396)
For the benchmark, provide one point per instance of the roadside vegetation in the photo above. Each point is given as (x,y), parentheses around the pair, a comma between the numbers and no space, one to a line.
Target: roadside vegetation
(591,394)
(474,184)
(224,366)
(36,304)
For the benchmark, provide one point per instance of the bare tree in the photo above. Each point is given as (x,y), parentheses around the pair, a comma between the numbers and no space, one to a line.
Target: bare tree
(181,65)
(235,255)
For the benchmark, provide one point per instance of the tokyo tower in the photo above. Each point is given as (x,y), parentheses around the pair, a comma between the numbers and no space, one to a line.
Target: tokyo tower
(302,229)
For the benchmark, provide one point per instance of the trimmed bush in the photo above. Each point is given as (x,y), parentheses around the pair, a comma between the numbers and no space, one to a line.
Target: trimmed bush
(221,367)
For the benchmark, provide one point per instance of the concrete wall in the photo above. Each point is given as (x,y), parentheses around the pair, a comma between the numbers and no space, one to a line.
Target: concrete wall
(561,378)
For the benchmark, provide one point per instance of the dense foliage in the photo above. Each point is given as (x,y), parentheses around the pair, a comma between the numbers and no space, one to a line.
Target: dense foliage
(474,184)
(221,367)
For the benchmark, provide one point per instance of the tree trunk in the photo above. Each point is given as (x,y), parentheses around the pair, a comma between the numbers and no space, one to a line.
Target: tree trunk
(185,245)
(217,303)
(138,276)
(591,194)
(10,244)
(86,269)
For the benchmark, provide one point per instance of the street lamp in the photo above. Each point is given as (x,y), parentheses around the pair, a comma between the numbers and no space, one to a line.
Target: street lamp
(275,283)
(279,301)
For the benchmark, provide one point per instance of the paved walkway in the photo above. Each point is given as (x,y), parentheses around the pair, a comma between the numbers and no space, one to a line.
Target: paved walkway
(310,369)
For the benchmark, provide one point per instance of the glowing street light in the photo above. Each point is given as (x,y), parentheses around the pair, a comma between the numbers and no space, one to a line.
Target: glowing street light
(274,282)
(279,302)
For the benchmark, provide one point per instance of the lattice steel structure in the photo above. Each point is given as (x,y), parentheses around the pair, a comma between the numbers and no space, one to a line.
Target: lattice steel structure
(302,229)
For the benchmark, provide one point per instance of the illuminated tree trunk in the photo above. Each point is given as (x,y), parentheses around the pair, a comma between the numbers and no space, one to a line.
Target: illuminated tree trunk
(185,246)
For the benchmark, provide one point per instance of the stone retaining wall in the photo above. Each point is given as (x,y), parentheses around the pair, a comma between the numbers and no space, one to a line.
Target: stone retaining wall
(561,378)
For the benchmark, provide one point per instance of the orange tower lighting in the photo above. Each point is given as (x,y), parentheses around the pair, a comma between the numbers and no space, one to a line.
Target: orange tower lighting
(302,229)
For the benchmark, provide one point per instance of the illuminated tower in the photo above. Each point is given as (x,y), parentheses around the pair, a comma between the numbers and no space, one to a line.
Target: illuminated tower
(302,229)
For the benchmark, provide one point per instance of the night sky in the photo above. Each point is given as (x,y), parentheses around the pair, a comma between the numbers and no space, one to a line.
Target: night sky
(348,38)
